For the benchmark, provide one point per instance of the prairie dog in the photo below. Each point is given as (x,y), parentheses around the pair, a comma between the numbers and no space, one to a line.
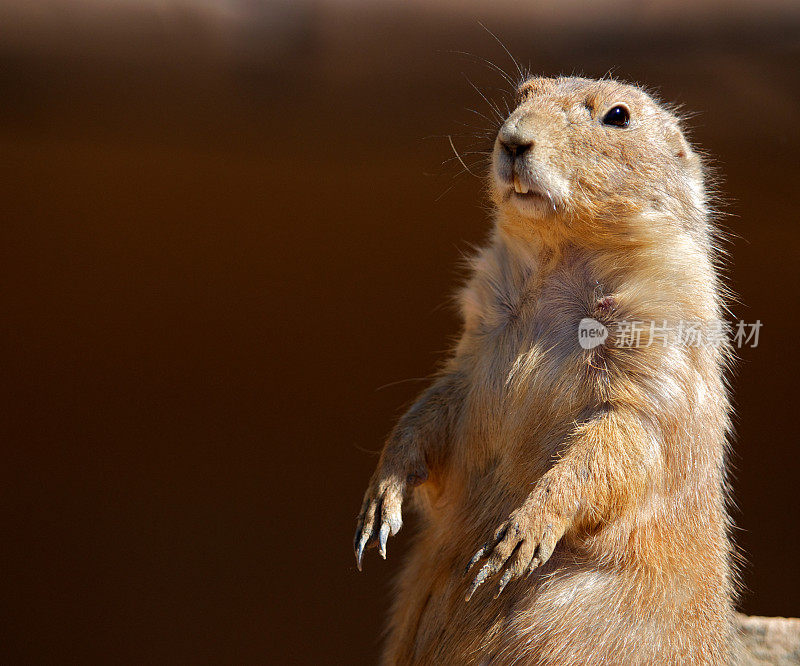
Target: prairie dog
(583,489)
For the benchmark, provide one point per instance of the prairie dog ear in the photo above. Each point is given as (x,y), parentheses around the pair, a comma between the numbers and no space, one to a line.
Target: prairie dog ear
(688,163)
(679,146)
(682,151)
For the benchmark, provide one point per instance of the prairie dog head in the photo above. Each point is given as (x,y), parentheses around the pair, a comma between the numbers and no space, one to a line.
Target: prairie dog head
(599,152)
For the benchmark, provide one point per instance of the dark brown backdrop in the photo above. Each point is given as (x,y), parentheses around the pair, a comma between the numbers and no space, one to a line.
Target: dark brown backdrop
(224,230)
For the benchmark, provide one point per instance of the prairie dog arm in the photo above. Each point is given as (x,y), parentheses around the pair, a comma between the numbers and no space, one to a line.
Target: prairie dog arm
(605,467)
(418,441)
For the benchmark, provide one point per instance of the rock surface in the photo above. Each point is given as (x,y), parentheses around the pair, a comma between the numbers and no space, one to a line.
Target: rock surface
(768,640)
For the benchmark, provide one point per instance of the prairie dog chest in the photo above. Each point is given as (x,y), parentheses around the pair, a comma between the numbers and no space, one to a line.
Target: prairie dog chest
(514,308)
(521,352)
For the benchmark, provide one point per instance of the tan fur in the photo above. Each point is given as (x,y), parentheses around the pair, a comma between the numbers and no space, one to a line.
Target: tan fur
(597,476)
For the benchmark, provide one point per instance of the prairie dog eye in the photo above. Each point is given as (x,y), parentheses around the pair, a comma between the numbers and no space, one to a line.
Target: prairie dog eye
(617,116)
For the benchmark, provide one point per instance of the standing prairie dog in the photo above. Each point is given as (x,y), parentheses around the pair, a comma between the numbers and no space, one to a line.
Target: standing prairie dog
(582,487)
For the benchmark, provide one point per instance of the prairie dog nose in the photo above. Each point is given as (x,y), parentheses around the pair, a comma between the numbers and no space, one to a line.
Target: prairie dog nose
(514,140)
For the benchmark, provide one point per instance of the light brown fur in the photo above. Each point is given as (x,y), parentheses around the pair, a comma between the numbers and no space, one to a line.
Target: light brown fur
(597,476)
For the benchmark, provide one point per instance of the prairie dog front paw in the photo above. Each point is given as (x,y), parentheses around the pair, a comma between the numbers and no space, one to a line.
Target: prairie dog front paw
(381,510)
(521,544)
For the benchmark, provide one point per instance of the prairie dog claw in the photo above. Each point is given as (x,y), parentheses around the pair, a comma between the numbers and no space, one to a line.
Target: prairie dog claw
(518,546)
(380,517)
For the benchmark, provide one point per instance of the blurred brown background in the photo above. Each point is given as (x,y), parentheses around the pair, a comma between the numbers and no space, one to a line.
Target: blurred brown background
(227,224)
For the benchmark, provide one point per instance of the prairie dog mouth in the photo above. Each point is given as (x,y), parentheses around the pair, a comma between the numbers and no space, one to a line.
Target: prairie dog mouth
(532,192)
(520,187)
(530,200)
